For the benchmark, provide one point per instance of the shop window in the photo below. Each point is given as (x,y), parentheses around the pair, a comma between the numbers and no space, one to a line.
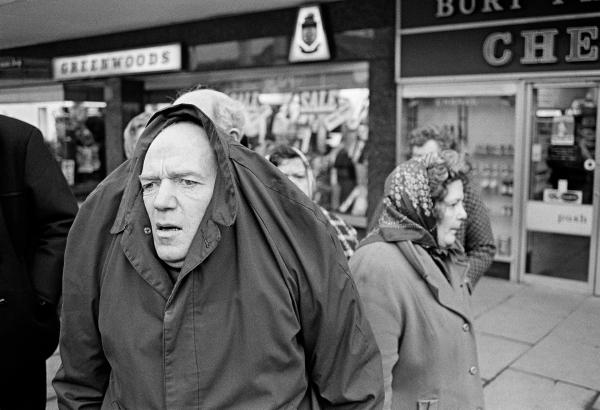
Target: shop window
(79,145)
(329,125)
(483,129)
(74,132)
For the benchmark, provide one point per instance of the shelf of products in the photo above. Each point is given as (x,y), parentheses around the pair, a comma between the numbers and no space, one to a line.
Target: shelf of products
(493,172)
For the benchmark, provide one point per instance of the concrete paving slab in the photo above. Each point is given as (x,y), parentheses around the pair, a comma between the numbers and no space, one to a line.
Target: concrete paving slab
(572,362)
(547,300)
(497,353)
(583,325)
(517,323)
(513,390)
(490,292)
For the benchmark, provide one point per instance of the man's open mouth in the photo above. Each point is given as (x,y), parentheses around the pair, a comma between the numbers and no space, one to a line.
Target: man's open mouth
(167,228)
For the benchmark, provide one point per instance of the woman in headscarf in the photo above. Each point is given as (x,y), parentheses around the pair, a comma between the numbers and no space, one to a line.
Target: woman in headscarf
(410,272)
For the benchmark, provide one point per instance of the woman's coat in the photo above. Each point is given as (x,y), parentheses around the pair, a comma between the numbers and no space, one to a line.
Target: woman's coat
(423,326)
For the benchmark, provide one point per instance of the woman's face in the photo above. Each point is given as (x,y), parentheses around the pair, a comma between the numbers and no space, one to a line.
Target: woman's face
(451,214)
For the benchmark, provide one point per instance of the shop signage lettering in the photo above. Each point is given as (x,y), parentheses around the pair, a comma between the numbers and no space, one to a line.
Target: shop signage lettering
(142,60)
(430,13)
(569,219)
(318,101)
(498,36)
(539,46)
(535,47)
(446,8)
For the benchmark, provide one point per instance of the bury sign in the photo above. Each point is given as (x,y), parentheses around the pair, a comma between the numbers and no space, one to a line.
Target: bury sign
(472,37)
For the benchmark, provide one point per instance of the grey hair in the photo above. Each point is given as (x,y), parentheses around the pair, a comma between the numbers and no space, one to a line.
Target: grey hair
(229,114)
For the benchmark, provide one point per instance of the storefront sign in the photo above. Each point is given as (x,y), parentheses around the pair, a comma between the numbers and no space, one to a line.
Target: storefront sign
(498,36)
(559,218)
(309,42)
(24,67)
(134,61)
(429,13)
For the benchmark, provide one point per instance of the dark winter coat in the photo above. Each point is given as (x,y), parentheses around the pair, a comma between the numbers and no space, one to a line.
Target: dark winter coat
(36,211)
(264,314)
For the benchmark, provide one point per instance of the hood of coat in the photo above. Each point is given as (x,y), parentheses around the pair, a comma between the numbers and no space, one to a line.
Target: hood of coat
(224,196)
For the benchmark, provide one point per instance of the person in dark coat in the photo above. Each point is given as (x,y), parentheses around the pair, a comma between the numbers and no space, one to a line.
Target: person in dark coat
(37,209)
(208,281)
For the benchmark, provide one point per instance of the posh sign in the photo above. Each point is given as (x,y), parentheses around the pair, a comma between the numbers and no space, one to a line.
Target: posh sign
(134,61)
(499,37)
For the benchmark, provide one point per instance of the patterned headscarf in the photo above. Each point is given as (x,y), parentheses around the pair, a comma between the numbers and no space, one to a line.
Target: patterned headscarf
(409,212)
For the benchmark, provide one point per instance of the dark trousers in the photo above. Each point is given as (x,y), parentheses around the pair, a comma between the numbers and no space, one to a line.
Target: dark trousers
(23,386)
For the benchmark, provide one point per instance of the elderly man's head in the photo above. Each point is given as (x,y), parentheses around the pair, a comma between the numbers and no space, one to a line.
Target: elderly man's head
(429,139)
(223,110)
(178,179)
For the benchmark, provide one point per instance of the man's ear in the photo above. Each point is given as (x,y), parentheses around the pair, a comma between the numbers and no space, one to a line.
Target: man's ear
(236,134)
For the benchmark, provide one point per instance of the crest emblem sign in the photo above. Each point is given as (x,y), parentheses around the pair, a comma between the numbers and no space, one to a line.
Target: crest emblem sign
(309,42)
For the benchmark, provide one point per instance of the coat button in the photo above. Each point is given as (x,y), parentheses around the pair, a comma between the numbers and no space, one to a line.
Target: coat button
(147,230)
(473,370)
(466,327)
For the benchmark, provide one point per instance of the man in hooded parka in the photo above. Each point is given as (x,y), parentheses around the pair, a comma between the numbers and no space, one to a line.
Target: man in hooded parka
(260,313)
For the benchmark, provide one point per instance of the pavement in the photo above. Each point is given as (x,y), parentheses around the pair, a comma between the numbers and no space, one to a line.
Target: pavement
(539,347)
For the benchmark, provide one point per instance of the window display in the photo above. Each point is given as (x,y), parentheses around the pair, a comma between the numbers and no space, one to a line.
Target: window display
(329,125)
(80,145)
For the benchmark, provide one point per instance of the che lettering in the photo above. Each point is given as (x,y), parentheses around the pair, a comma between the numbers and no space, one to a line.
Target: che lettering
(539,46)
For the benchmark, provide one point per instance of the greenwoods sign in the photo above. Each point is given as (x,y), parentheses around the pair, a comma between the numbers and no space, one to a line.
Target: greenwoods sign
(474,37)
(123,62)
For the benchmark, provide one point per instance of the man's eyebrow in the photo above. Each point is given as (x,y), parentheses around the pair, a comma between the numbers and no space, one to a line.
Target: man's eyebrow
(179,174)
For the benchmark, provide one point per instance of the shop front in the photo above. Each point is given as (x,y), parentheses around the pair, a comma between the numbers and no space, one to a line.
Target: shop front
(518,85)
(306,75)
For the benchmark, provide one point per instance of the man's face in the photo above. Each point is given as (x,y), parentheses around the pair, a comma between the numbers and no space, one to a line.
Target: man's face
(178,178)
(295,170)
(431,146)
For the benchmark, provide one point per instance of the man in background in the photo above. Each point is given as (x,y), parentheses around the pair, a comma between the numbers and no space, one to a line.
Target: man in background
(37,209)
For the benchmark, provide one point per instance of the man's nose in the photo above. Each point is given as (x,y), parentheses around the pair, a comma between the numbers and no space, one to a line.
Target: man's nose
(165,197)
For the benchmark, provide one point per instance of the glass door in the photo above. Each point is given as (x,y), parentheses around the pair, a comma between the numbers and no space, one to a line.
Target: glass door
(559,214)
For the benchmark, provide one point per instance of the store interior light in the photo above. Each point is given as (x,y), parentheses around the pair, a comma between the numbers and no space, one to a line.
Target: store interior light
(548,112)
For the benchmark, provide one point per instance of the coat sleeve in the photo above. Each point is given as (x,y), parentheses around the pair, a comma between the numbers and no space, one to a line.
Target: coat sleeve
(479,240)
(377,281)
(82,379)
(343,359)
(54,208)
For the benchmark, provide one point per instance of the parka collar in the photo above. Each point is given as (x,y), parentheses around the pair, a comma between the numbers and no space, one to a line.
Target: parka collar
(225,210)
